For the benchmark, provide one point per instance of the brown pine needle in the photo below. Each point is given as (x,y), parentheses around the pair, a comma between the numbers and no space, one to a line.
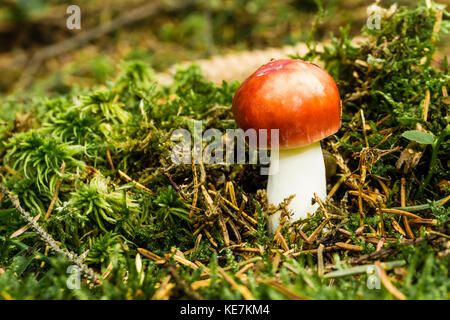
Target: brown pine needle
(316,232)
(138,185)
(312,251)
(437,26)
(107,271)
(439,234)
(302,234)
(247,249)
(199,229)
(235,231)
(347,246)
(426,105)
(197,242)
(325,212)
(387,283)
(175,186)
(164,289)
(276,261)
(185,262)
(445,200)
(244,269)
(210,204)
(150,255)
(244,291)
(397,227)
(279,287)
(423,221)
(226,237)
(6,295)
(320,267)
(360,208)
(383,186)
(381,223)
(232,193)
(403,204)
(194,203)
(364,196)
(336,187)
(401,212)
(186,287)
(108,156)
(200,284)
(25,228)
(196,186)
(210,238)
(55,196)
(282,241)
(47,249)
(249,218)
(380,244)
(363,123)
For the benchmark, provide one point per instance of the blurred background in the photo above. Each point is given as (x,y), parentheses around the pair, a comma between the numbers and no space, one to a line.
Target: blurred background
(37,48)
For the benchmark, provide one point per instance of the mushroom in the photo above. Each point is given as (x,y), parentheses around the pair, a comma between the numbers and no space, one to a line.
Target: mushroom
(302,101)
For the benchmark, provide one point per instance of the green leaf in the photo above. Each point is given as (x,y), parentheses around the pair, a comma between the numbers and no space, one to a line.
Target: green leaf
(419,136)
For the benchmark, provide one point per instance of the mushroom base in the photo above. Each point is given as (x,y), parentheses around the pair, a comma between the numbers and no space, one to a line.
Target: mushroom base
(299,171)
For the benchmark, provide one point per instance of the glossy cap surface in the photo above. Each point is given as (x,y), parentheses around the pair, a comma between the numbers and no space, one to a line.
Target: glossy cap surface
(296,97)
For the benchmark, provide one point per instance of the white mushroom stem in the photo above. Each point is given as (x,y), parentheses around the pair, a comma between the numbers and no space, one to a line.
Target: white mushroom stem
(299,171)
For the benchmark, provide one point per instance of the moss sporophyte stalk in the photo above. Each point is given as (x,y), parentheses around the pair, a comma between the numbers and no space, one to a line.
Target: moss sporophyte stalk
(90,170)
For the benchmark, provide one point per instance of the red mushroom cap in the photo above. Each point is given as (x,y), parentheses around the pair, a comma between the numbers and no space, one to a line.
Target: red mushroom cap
(296,97)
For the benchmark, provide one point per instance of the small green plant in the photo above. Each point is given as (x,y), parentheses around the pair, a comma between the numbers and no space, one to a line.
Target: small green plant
(103,205)
(42,156)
